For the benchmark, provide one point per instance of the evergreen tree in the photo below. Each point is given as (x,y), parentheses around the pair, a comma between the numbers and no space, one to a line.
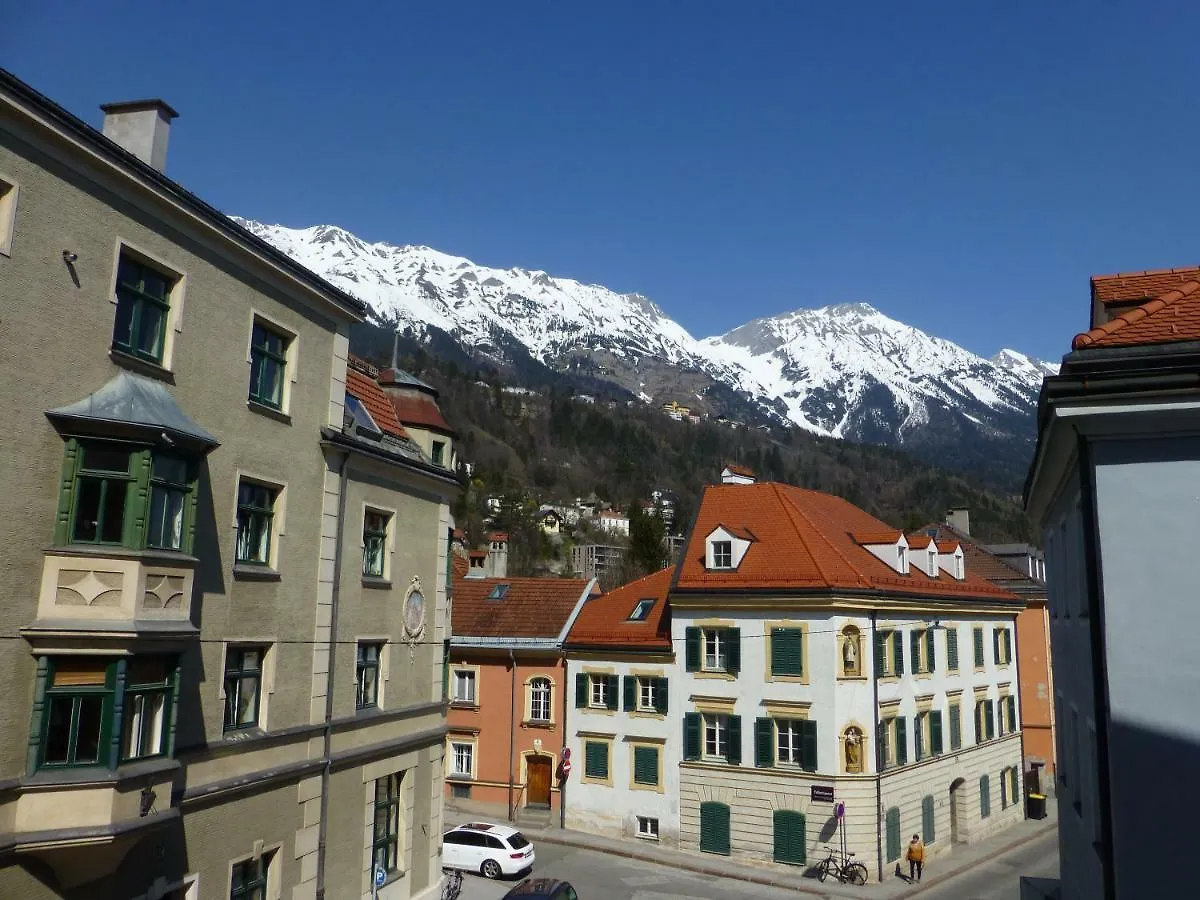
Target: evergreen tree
(647,545)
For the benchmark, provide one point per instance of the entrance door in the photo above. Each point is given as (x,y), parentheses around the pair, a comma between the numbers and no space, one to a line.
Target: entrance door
(955,796)
(538,769)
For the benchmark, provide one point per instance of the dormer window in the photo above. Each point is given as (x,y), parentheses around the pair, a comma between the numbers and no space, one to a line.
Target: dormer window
(642,611)
(933,561)
(722,552)
(902,560)
(958,568)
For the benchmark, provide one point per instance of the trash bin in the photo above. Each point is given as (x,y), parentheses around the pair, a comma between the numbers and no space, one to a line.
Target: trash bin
(1037,806)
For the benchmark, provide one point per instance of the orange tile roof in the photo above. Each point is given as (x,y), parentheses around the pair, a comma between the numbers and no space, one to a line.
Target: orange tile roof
(459,566)
(980,562)
(948,546)
(375,400)
(1126,286)
(533,607)
(604,619)
(807,541)
(1173,316)
(888,536)
(918,541)
(419,411)
(740,470)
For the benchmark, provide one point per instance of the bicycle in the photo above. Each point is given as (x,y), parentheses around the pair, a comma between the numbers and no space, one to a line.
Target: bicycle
(452,886)
(842,867)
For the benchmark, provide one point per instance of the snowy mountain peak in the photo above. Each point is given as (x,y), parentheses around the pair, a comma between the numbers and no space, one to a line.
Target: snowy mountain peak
(1026,366)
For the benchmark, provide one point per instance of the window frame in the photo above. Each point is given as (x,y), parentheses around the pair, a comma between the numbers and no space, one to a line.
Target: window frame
(389,840)
(597,691)
(645,829)
(163,485)
(76,693)
(135,294)
(437,453)
(261,355)
(591,775)
(646,686)
(722,555)
(720,651)
(473,674)
(363,665)
(255,887)
(719,722)
(238,675)
(10,195)
(634,781)
(540,684)
(127,480)
(378,537)
(270,513)
(456,753)
(166,688)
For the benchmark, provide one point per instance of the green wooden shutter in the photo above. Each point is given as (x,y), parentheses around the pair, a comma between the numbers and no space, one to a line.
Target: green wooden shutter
(787,651)
(881,745)
(1012,713)
(985,797)
(714,828)
(880,653)
(898,652)
(808,745)
(996,646)
(595,759)
(979,721)
(930,654)
(611,692)
(764,743)
(952,649)
(928,828)
(791,839)
(581,690)
(1016,785)
(645,765)
(66,491)
(901,741)
(914,650)
(660,696)
(935,732)
(1007,645)
(629,685)
(978,634)
(733,650)
(919,737)
(691,649)
(989,712)
(955,726)
(893,833)
(734,753)
(691,736)
(1004,788)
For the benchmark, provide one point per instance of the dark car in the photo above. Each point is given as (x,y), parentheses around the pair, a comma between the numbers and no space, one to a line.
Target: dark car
(542,889)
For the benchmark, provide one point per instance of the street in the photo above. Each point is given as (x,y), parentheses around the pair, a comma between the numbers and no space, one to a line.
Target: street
(601,876)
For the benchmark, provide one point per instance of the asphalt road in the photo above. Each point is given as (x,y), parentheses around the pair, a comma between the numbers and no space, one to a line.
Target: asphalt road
(1000,878)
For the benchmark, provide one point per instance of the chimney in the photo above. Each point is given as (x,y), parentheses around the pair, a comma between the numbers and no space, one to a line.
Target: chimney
(959,518)
(141,127)
(497,558)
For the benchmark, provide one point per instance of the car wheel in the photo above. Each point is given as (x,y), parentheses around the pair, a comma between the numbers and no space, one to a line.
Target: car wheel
(491,869)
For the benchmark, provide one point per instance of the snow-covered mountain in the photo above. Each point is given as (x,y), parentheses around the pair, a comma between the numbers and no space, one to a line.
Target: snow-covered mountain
(846,370)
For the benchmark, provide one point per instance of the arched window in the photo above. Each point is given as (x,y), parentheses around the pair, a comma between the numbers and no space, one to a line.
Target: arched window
(539,700)
(851,652)
(854,750)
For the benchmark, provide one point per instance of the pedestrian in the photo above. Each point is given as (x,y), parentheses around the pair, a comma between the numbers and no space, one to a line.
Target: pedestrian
(916,858)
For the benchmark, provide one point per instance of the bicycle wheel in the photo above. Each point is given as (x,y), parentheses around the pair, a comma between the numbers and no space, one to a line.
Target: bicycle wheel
(823,870)
(856,873)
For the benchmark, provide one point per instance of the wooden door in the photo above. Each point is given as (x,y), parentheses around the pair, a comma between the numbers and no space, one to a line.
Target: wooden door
(538,769)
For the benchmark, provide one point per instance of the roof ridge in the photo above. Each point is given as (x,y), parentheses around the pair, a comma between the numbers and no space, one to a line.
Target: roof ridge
(637,580)
(789,508)
(1137,314)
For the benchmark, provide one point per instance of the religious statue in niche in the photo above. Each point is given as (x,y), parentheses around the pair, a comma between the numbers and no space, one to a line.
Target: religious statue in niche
(850,651)
(854,748)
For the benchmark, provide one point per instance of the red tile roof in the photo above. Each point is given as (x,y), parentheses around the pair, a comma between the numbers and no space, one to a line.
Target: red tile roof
(980,562)
(419,411)
(1172,316)
(498,536)
(740,470)
(918,541)
(533,607)
(604,619)
(1126,286)
(807,541)
(459,566)
(889,536)
(375,400)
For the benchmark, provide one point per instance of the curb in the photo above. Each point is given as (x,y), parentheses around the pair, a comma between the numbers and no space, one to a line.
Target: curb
(1008,848)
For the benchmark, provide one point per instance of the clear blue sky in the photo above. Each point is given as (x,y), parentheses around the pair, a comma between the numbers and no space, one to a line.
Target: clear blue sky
(965,166)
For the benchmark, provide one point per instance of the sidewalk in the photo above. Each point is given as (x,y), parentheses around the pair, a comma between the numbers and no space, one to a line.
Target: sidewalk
(943,868)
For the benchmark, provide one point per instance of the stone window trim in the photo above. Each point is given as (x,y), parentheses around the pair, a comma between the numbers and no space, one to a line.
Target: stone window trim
(10,192)
(273,854)
(596,739)
(697,645)
(659,745)
(389,543)
(291,355)
(176,298)
(456,668)
(770,629)
(528,718)
(384,670)
(395,799)
(464,740)
(278,520)
(888,653)
(267,686)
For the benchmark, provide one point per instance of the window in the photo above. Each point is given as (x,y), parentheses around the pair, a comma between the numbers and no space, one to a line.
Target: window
(985,721)
(722,554)
(977,633)
(791,838)
(787,651)
(786,742)
(1014,785)
(641,611)
(462,760)
(464,686)
(255,517)
(268,364)
(599,692)
(460,791)
(248,881)
(439,453)
(889,653)
(647,827)
(955,726)
(921,651)
(714,828)
(367,676)
(375,534)
(714,737)
(1002,646)
(499,592)
(149,690)
(143,301)
(928,821)
(595,760)
(79,711)
(170,487)
(539,700)
(985,797)
(851,645)
(713,650)
(596,690)
(8,214)
(645,765)
(952,649)
(927,733)
(385,828)
(103,483)
(919,740)
(1004,782)
(893,742)
(243,686)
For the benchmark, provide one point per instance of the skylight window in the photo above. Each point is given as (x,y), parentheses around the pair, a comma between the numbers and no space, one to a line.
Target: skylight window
(642,610)
(363,423)
(499,592)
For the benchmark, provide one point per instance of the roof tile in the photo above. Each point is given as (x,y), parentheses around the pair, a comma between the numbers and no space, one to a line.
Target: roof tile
(419,411)
(533,607)
(1126,286)
(1173,316)
(604,619)
(375,400)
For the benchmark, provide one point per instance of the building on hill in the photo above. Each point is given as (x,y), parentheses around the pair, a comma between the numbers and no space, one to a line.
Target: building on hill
(829,659)
(1019,568)
(1113,488)
(735,474)
(624,778)
(223,556)
(416,406)
(613,520)
(602,562)
(506,683)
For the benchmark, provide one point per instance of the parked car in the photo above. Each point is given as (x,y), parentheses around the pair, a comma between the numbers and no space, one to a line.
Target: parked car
(542,889)
(491,850)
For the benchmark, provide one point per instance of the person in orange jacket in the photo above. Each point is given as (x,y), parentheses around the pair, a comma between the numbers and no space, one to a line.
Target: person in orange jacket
(916,857)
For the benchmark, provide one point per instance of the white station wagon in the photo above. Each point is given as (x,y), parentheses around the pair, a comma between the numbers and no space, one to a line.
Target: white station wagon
(491,850)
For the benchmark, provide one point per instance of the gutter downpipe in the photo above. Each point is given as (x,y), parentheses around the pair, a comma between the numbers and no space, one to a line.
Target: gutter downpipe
(512,728)
(562,782)
(327,731)
(878,773)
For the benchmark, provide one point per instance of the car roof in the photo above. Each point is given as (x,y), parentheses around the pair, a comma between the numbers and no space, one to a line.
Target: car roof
(535,887)
(501,831)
